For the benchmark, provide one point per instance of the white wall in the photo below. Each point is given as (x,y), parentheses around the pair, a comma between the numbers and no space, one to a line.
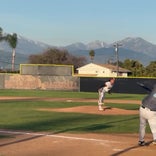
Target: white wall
(98,70)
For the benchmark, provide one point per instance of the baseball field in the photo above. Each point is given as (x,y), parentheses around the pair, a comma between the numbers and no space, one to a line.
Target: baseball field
(54,123)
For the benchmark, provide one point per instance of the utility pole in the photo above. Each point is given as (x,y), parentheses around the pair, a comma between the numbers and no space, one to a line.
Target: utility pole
(117,45)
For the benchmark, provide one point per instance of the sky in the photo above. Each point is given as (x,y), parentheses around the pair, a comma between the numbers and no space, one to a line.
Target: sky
(63,22)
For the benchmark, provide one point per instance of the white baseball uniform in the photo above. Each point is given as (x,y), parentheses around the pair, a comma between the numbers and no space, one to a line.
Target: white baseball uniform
(106,88)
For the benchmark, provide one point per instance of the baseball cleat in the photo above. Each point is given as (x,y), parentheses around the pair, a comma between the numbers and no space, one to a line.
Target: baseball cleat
(154,142)
(141,143)
(101,109)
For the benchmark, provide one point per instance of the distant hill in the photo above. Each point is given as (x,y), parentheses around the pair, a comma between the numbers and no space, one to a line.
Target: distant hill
(25,47)
(139,45)
(132,48)
(5,59)
(105,55)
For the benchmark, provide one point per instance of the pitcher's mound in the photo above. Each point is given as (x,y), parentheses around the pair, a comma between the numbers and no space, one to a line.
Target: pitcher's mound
(93,110)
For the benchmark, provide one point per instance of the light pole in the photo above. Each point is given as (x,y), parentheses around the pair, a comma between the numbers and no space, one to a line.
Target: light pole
(117,57)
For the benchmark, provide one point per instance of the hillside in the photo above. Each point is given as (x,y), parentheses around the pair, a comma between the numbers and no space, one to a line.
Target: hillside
(104,55)
(132,48)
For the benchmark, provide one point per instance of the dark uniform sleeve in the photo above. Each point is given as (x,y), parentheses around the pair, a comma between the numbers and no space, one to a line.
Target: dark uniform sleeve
(144,87)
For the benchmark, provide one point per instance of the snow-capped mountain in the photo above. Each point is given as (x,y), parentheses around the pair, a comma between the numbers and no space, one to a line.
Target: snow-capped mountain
(25,46)
(96,45)
(132,48)
(76,46)
(90,46)
(136,44)
(140,45)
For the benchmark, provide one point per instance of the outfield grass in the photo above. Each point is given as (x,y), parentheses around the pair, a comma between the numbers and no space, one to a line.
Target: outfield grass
(63,94)
(23,115)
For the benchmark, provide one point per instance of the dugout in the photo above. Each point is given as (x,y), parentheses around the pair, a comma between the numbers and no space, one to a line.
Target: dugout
(122,85)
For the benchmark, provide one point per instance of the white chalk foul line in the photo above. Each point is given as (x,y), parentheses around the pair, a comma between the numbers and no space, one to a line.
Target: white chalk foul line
(57,136)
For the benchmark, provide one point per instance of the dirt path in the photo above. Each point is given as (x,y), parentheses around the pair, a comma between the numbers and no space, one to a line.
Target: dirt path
(74,144)
(92,110)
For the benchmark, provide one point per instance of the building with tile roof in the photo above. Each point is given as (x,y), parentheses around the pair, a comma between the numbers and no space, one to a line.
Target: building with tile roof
(102,70)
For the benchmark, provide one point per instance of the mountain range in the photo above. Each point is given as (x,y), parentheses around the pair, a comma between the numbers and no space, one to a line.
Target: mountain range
(131,48)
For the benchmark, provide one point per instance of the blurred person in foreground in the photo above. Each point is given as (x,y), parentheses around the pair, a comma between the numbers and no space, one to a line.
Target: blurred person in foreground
(147,113)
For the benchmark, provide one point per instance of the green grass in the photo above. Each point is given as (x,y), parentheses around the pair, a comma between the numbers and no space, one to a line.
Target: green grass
(24,115)
(6,136)
(63,94)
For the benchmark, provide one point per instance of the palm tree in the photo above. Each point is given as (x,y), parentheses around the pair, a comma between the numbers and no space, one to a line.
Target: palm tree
(1,32)
(12,40)
(1,35)
(91,54)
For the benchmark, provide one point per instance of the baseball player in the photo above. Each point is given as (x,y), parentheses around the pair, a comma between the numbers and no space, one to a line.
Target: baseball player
(102,90)
(147,113)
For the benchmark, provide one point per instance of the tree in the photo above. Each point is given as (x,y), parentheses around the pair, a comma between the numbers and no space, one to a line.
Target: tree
(150,69)
(1,32)
(134,66)
(2,37)
(12,40)
(57,56)
(92,54)
(137,68)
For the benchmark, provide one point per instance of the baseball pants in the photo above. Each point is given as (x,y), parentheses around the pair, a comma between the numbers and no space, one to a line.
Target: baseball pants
(149,116)
(101,96)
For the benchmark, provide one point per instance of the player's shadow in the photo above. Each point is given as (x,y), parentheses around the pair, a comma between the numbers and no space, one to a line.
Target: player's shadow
(93,127)
(130,148)
(20,140)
